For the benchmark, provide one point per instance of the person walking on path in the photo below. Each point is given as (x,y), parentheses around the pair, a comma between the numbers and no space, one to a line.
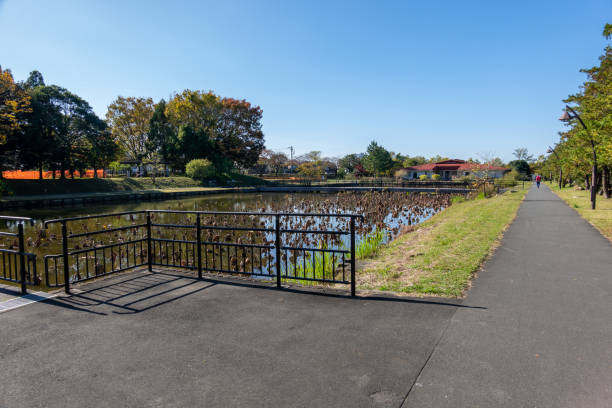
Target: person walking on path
(538,180)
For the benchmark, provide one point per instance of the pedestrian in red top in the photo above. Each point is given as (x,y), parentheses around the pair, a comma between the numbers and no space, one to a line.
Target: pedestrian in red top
(538,179)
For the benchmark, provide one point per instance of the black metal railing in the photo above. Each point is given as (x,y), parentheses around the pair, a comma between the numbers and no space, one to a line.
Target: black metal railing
(18,266)
(91,259)
(258,244)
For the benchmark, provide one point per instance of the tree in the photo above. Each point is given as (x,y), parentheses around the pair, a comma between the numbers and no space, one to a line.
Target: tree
(437,158)
(311,169)
(14,104)
(34,80)
(377,159)
(584,151)
(274,160)
(522,154)
(232,127)
(46,125)
(414,161)
(163,139)
(521,166)
(349,162)
(101,148)
(591,136)
(314,155)
(239,137)
(129,120)
(196,144)
(61,125)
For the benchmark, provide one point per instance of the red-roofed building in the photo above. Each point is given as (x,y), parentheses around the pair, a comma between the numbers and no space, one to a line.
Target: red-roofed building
(449,169)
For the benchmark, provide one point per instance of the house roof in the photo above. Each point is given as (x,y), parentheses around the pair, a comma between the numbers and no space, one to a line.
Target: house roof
(455,164)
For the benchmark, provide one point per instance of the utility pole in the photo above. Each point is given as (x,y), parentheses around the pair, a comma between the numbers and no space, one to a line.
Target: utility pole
(292,151)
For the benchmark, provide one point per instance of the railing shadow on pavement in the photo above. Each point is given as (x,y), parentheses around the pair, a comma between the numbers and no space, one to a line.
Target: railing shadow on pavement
(151,290)
(147,291)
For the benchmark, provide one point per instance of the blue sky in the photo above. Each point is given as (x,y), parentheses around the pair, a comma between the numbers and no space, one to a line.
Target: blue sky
(454,78)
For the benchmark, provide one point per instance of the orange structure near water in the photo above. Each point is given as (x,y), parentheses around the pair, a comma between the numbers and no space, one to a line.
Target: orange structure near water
(34,175)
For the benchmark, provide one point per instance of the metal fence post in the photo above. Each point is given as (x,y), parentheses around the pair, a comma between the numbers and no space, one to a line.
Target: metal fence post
(352,256)
(149,254)
(277,246)
(22,269)
(199,245)
(65,257)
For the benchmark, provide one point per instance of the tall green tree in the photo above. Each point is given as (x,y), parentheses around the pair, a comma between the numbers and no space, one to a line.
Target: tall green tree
(377,159)
(163,138)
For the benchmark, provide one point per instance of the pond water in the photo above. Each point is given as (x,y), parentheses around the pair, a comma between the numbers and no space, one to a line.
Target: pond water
(383,212)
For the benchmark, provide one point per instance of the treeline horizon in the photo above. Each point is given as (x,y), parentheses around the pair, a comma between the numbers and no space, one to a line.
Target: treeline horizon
(48,128)
(378,161)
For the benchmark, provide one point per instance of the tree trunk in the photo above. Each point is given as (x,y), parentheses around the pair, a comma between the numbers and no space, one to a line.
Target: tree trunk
(62,171)
(605,181)
(594,188)
(561,183)
(587,182)
(40,171)
(95,172)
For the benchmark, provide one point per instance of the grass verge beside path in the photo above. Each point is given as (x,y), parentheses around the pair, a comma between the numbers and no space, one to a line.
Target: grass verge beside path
(580,200)
(441,256)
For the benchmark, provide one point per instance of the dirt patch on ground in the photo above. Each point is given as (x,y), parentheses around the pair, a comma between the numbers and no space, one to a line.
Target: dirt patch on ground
(394,261)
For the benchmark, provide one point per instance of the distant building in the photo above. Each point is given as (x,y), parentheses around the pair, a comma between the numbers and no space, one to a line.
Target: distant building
(450,169)
(331,171)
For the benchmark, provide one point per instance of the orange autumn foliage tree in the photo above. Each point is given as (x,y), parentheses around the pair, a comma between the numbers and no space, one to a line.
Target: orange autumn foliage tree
(14,102)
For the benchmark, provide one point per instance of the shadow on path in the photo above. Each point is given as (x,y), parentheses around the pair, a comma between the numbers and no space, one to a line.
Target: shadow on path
(127,294)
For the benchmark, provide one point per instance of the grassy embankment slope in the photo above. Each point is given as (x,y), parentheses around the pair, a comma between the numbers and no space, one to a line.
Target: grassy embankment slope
(600,218)
(125,184)
(441,256)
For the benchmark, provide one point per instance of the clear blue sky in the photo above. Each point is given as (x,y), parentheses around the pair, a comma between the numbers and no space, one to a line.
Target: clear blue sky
(453,78)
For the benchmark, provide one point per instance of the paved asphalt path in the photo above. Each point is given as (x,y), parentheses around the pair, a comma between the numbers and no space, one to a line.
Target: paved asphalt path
(544,338)
(169,340)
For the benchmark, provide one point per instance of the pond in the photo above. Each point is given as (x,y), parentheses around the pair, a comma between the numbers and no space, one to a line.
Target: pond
(385,215)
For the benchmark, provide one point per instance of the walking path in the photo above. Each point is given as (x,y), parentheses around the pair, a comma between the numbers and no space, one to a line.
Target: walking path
(544,337)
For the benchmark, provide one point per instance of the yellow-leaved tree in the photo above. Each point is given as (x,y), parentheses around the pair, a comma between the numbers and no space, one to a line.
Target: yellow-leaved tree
(14,103)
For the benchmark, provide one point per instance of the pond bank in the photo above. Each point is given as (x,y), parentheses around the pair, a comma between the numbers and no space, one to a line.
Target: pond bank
(57,200)
(443,253)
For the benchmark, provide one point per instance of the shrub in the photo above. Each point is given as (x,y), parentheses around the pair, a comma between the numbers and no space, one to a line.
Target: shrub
(513,175)
(423,177)
(457,199)
(200,169)
(435,177)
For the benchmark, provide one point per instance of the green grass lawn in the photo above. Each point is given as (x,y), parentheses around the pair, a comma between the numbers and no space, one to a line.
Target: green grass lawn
(600,218)
(441,256)
(106,185)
